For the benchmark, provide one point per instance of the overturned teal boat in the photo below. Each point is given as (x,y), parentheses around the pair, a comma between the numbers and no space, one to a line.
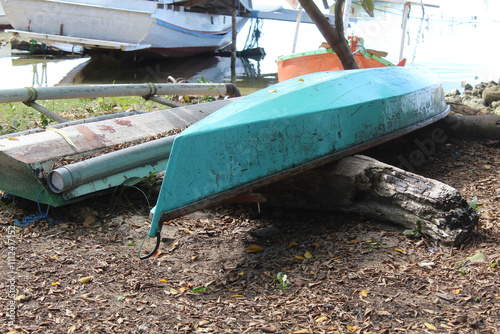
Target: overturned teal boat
(290,127)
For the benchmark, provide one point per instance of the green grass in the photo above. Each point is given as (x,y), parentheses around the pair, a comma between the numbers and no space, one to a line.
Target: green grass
(18,117)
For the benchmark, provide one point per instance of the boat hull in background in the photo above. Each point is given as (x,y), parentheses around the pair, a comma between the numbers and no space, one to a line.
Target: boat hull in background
(4,21)
(127,25)
(326,59)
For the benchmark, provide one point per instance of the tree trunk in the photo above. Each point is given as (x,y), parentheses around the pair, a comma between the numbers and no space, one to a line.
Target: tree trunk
(334,36)
(475,126)
(348,63)
(365,186)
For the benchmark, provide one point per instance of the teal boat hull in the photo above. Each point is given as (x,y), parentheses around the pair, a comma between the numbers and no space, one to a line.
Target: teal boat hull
(295,125)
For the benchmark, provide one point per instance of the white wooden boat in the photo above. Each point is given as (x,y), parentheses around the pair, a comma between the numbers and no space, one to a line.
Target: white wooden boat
(166,27)
(172,28)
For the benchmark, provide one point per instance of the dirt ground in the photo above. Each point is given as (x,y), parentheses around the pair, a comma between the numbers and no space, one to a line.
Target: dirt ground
(345,274)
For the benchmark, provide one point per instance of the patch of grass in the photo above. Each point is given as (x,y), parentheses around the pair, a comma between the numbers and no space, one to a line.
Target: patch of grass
(416,232)
(473,204)
(18,117)
(282,281)
(201,289)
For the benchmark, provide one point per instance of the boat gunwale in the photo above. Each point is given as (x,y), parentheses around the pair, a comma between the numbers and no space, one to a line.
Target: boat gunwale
(322,51)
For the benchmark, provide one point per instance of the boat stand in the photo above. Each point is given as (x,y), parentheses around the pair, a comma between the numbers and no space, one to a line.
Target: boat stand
(59,165)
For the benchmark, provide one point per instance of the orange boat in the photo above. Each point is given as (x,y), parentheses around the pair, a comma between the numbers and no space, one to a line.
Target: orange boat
(325,59)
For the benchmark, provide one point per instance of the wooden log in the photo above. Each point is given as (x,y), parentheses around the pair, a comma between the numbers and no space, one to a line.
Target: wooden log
(365,186)
(475,126)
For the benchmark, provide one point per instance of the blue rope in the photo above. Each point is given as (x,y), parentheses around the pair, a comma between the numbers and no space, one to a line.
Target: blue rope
(7,197)
(33,218)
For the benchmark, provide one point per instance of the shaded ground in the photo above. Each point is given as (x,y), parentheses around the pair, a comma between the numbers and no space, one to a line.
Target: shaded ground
(345,274)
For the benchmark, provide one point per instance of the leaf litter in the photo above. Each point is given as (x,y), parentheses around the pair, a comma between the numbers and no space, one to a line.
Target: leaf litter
(210,283)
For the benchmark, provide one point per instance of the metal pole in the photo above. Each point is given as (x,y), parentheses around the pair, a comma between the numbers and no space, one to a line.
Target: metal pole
(46,112)
(72,176)
(405,22)
(233,42)
(299,18)
(164,101)
(92,91)
(347,14)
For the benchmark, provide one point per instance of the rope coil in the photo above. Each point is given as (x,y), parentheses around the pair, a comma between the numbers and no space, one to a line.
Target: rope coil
(34,218)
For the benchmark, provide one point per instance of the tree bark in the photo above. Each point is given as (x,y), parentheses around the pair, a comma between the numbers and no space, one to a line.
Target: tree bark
(334,36)
(365,186)
(475,126)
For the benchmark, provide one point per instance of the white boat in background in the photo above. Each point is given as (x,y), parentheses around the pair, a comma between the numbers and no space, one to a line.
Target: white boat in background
(173,28)
(166,27)
(4,22)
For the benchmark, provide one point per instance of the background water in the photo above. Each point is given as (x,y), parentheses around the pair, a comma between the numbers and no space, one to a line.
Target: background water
(457,41)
